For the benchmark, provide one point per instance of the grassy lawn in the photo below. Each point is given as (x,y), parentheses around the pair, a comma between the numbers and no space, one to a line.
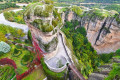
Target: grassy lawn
(6,72)
(20,68)
(37,74)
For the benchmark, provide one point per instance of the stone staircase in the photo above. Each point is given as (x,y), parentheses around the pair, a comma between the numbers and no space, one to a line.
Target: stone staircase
(103,70)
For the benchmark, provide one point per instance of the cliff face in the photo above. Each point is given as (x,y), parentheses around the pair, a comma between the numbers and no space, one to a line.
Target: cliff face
(102,33)
(43,22)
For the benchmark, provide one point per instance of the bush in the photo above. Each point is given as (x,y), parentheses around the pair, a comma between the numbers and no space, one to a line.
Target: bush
(2,37)
(9,16)
(48,1)
(29,36)
(4,47)
(118,52)
(16,53)
(26,59)
(15,17)
(10,30)
(77,10)
(114,73)
(18,47)
(106,57)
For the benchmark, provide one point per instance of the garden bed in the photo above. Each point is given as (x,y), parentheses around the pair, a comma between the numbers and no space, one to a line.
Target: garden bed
(20,68)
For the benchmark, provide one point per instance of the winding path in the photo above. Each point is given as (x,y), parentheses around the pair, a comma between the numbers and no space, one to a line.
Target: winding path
(13,24)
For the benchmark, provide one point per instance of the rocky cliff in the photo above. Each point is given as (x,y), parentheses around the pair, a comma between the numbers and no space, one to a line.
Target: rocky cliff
(43,22)
(102,31)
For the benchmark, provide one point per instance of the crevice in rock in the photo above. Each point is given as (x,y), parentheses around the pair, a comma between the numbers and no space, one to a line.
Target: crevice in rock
(101,30)
(110,23)
(89,22)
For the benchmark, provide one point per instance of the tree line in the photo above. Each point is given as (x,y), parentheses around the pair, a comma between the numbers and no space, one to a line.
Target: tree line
(8,5)
(95,1)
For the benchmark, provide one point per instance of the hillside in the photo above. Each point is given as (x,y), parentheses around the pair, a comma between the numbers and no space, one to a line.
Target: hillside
(95,1)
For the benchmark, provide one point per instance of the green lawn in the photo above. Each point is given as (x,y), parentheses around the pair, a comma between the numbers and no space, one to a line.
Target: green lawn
(37,74)
(6,72)
(20,68)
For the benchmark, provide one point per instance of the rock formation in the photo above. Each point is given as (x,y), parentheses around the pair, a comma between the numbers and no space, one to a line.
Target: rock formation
(103,31)
(43,21)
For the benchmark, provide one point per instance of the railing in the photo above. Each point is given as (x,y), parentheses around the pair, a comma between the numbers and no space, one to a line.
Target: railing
(75,71)
(71,66)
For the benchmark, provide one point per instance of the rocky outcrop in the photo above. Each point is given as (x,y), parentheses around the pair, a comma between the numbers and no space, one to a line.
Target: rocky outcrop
(104,70)
(102,33)
(43,22)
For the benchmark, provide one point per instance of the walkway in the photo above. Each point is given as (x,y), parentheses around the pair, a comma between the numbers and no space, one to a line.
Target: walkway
(75,71)
(71,66)
(13,24)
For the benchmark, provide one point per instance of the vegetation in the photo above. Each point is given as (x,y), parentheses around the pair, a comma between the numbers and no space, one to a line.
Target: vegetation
(113,7)
(15,17)
(69,0)
(82,49)
(2,37)
(94,1)
(106,57)
(17,52)
(61,5)
(6,72)
(4,47)
(15,32)
(50,74)
(21,1)
(36,74)
(97,5)
(103,1)
(114,73)
(101,13)
(29,36)
(27,58)
(8,5)
(77,10)
(20,67)
(47,46)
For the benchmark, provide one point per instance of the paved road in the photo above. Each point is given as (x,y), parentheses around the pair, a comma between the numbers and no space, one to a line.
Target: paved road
(13,24)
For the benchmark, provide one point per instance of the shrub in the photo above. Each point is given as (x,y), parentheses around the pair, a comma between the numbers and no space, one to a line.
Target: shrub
(118,52)
(77,10)
(18,47)
(49,8)
(9,16)
(16,53)
(106,57)
(26,59)
(10,30)
(2,37)
(4,47)
(29,36)
(48,1)
(114,73)
(38,11)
